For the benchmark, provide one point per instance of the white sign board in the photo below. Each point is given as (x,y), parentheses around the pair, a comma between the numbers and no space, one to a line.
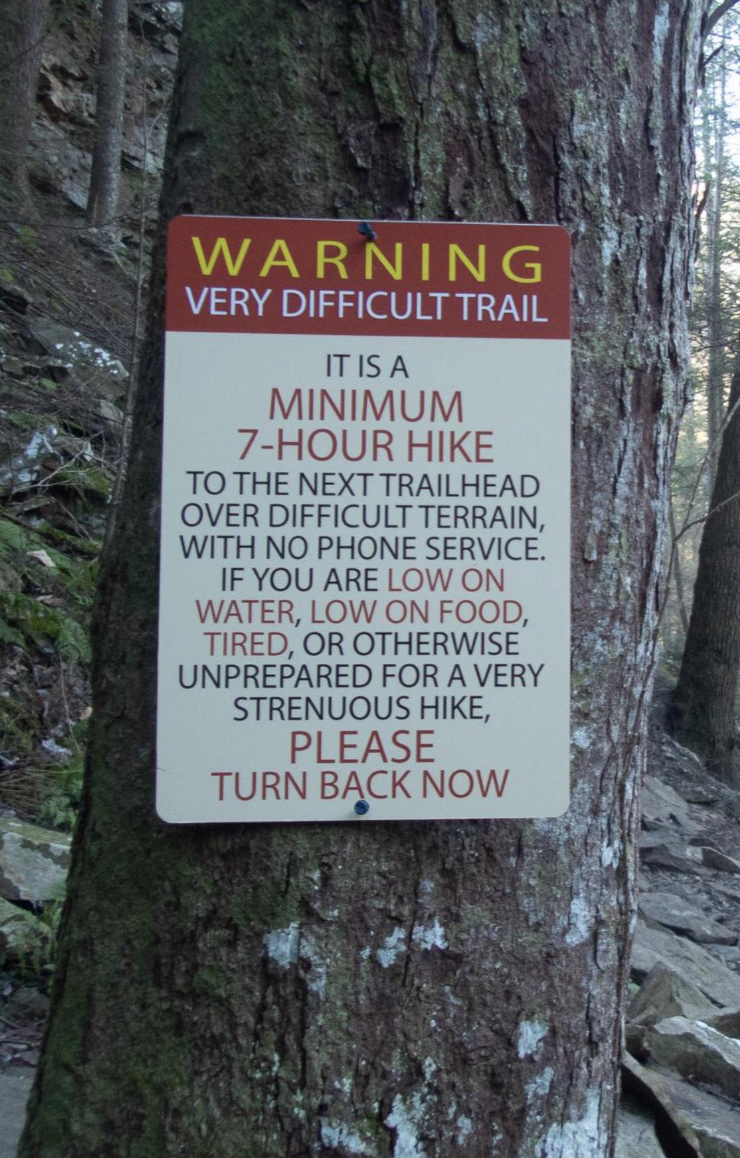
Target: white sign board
(364,601)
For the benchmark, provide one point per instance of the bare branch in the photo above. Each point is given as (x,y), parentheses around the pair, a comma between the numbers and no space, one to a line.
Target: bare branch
(716,15)
(688,523)
(703,466)
(695,522)
(705,63)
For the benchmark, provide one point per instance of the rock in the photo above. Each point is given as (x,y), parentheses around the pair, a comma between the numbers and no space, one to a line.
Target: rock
(635,1041)
(730,954)
(715,859)
(111,414)
(690,961)
(650,840)
(696,1051)
(674,913)
(64,104)
(139,154)
(715,1121)
(697,794)
(703,1123)
(71,460)
(21,469)
(665,993)
(727,890)
(58,754)
(636,1132)
(662,805)
(677,1136)
(28,1003)
(55,370)
(12,366)
(91,364)
(56,164)
(727,1021)
(658,852)
(674,750)
(161,14)
(14,297)
(16,366)
(15,1088)
(22,935)
(60,57)
(33,862)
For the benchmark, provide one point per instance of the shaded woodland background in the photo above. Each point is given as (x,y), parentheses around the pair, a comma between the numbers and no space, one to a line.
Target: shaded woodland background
(72,315)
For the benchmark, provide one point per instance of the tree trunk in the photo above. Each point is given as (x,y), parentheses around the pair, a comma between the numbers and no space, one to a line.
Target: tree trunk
(105,178)
(22,27)
(677,573)
(715,128)
(702,710)
(222,992)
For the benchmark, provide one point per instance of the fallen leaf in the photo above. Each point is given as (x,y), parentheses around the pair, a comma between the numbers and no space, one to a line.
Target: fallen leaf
(43,557)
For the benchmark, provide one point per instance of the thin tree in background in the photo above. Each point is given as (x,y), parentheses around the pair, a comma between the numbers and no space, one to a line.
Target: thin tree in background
(714,317)
(22,29)
(714,131)
(702,709)
(105,178)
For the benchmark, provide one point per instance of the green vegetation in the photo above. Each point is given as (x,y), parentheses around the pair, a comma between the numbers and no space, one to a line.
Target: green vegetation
(62,799)
(47,584)
(36,623)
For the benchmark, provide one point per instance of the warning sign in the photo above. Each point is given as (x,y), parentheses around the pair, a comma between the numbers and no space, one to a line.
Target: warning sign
(364,593)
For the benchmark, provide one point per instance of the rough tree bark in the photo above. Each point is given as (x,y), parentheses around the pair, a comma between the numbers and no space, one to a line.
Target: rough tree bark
(221,992)
(22,29)
(702,708)
(105,178)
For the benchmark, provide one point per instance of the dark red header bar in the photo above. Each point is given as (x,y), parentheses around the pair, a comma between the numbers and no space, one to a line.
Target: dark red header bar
(271,275)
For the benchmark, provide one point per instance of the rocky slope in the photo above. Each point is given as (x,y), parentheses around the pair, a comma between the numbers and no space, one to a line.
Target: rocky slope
(682,1057)
(70,328)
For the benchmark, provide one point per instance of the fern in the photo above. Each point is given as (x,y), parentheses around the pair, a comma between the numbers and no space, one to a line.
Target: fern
(15,541)
(10,634)
(37,623)
(72,641)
